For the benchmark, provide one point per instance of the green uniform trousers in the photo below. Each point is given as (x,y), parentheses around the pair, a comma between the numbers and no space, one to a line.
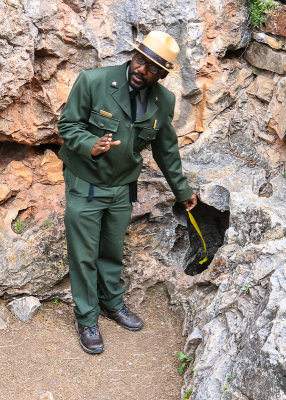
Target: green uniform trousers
(95,232)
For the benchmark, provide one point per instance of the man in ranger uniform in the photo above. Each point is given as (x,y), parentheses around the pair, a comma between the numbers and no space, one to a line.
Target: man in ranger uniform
(111,114)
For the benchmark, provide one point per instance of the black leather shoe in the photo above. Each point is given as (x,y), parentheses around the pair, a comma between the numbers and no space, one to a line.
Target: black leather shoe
(90,338)
(125,318)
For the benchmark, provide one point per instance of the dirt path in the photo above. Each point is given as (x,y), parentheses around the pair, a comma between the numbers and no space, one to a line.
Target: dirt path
(44,355)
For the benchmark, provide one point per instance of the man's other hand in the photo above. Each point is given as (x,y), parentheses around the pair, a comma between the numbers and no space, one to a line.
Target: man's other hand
(190,203)
(103,145)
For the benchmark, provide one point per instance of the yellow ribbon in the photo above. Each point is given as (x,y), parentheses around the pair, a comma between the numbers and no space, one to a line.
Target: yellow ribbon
(195,225)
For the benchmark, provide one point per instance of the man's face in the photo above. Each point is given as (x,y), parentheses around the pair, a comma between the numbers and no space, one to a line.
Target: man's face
(140,76)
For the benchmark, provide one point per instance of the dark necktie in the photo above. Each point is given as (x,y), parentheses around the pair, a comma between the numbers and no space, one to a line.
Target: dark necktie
(133,95)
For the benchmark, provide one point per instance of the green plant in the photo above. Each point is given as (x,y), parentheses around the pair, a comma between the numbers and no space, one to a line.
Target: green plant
(56,302)
(48,223)
(18,225)
(260,9)
(188,394)
(185,362)
(226,385)
(246,288)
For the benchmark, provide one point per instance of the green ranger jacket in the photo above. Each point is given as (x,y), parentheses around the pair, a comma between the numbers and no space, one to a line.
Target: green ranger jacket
(99,103)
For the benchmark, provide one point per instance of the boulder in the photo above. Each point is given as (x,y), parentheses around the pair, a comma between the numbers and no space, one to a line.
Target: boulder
(261,56)
(271,41)
(24,308)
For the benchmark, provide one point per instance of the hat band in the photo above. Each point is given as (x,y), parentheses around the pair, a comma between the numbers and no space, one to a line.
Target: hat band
(149,53)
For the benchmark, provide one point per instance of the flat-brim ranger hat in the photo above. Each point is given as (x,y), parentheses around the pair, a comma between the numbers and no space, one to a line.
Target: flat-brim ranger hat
(160,48)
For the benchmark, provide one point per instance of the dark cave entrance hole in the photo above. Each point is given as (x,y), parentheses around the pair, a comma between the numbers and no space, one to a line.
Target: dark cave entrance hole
(233,53)
(213,225)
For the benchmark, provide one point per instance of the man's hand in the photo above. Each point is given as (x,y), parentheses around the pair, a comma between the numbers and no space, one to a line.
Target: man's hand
(103,145)
(190,203)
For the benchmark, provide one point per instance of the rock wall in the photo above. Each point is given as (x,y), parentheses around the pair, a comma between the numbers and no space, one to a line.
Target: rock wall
(230,124)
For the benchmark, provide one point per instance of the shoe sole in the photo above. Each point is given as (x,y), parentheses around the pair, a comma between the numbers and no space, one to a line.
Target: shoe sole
(123,326)
(97,351)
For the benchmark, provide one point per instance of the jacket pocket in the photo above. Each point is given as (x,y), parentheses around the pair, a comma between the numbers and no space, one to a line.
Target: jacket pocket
(100,124)
(148,134)
(144,136)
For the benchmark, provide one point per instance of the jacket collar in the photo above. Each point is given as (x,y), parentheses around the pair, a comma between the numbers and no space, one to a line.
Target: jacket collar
(121,94)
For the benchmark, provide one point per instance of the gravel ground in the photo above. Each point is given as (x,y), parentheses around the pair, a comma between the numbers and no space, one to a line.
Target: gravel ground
(43,355)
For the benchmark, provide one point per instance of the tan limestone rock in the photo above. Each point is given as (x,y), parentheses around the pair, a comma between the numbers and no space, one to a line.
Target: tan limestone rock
(47,67)
(267,137)
(49,169)
(262,87)
(17,48)
(20,175)
(56,91)
(188,139)
(220,86)
(274,42)
(276,121)
(48,47)
(29,122)
(99,29)
(263,57)
(17,176)
(34,79)
(225,25)
(5,193)
(275,24)
(33,120)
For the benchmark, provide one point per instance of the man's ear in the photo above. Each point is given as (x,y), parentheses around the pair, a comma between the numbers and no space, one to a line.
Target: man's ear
(164,74)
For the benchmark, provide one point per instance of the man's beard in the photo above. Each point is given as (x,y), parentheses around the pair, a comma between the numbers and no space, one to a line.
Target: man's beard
(144,83)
